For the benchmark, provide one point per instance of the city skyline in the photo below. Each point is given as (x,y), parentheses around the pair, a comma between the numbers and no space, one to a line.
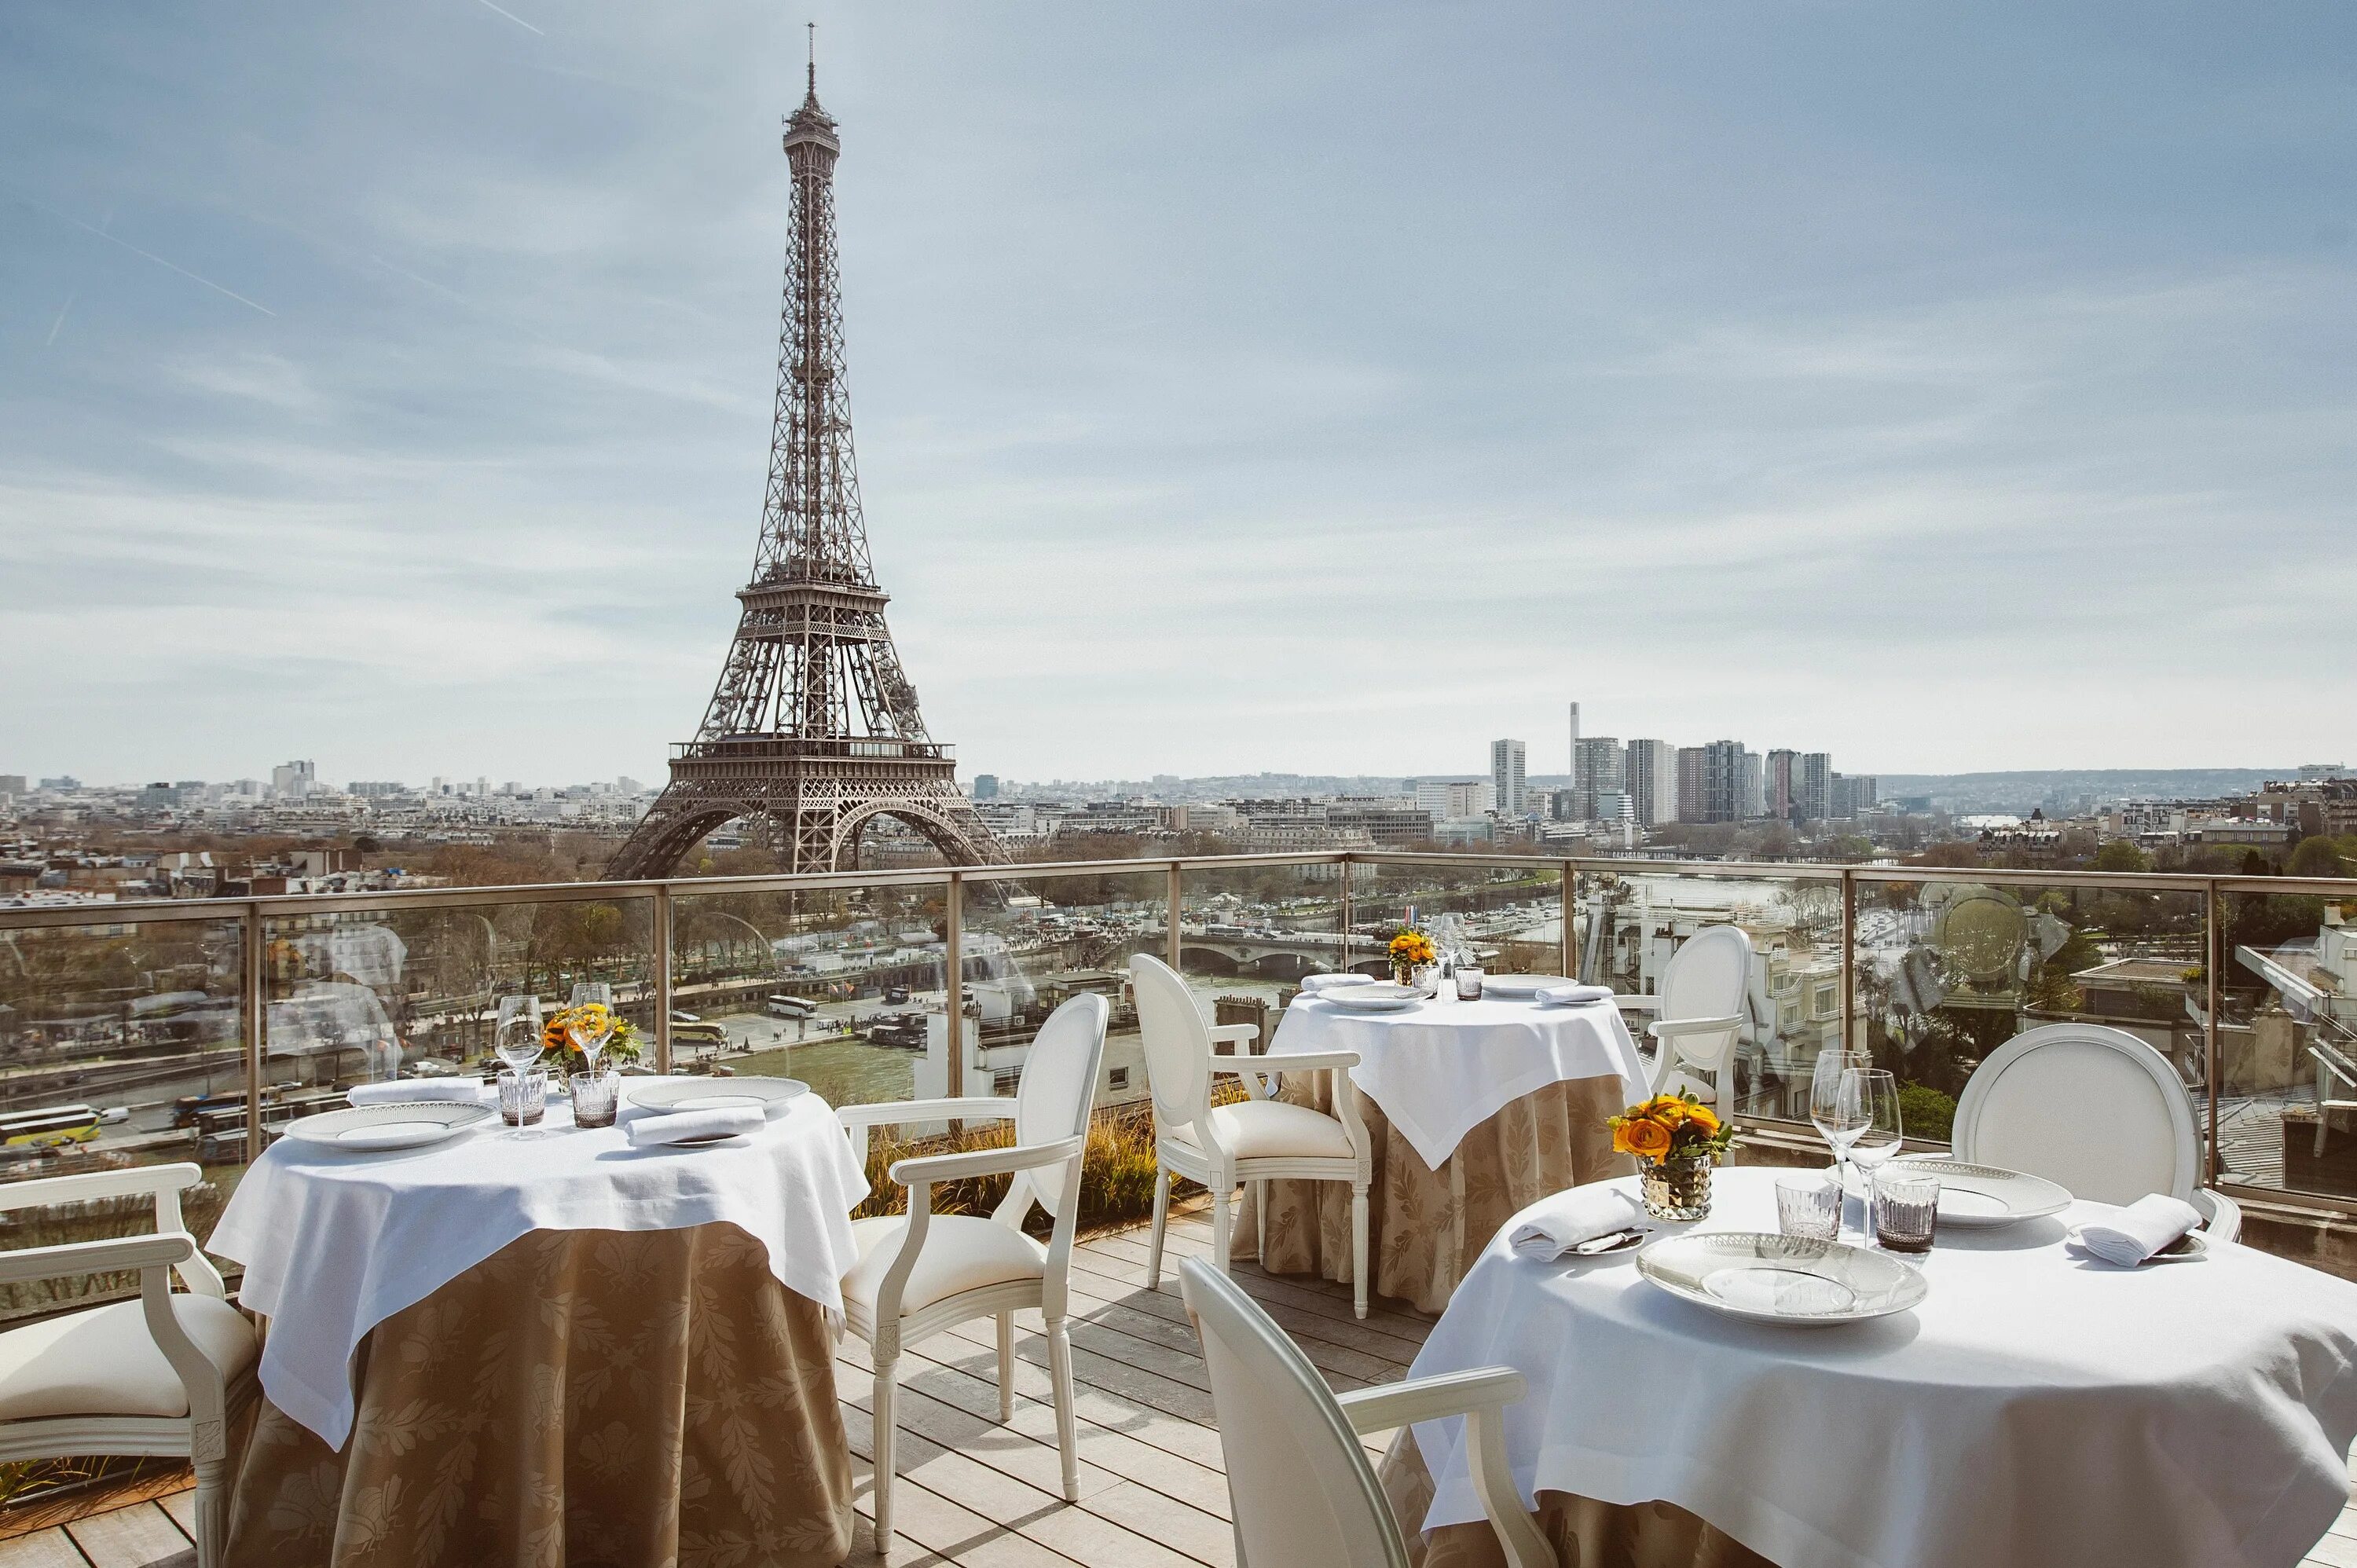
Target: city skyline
(385,393)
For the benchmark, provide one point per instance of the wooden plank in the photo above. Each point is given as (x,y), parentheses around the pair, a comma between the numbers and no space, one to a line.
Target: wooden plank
(1314,1294)
(49,1548)
(932,1529)
(1309,1330)
(1035,1515)
(181,1506)
(2346,1525)
(142,1536)
(2333,1552)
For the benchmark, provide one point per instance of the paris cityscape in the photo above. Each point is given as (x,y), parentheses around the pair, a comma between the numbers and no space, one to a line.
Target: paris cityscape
(1688,613)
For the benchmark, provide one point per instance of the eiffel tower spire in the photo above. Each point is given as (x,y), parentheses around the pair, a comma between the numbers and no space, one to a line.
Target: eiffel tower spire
(813,730)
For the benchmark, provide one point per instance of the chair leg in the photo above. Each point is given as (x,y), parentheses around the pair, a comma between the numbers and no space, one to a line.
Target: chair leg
(1068,1441)
(1161,1218)
(213,1511)
(1358,1248)
(887,1386)
(1006,1366)
(1260,1222)
(1222,1228)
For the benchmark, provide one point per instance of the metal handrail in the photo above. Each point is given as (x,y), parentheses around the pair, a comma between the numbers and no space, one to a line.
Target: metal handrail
(663,894)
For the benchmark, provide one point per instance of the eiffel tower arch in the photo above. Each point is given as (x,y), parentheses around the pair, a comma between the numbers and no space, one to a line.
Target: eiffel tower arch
(813,732)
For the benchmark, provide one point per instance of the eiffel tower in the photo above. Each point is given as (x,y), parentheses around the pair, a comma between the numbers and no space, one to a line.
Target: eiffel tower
(813,732)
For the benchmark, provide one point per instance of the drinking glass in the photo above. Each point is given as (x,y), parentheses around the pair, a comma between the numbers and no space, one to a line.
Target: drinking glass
(1839,1125)
(1871,1098)
(588,1032)
(597,1097)
(1468,984)
(1808,1206)
(523,1096)
(1906,1209)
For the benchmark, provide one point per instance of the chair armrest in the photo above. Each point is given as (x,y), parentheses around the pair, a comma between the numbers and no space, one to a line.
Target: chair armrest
(69,1259)
(923,1170)
(888,1112)
(1292,1061)
(1481,1396)
(1671,1028)
(1388,1405)
(2222,1216)
(1234,1034)
(1632,1001)
(90,1186)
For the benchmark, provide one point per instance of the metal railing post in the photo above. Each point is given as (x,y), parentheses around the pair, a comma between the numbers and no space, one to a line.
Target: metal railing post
(1171,893)
(252,1021)
(1345,964)
(1849,960)
(2214,953)
(662,978)
(953,974)
(1570,922)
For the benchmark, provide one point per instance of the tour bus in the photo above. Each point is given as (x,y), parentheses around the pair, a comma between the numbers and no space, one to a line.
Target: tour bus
(785,1006)
(53,1126)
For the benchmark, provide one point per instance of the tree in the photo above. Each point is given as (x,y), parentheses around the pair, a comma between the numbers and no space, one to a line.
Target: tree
(2122,854)
(1953,853)
(2317,856)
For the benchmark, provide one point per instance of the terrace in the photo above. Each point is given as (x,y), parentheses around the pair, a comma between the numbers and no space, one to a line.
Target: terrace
(202,1031)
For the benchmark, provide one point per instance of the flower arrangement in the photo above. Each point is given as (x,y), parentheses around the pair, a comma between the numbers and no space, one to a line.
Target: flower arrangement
(1671,1127)
(558,1051)
(1410,951)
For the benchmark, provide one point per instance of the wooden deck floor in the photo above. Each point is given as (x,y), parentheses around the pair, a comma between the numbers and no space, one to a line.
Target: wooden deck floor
(975,1494)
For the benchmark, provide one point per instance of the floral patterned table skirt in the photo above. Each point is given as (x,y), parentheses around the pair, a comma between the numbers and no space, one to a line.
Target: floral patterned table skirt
(647,1399)
(1582,1531)
(1425,1226)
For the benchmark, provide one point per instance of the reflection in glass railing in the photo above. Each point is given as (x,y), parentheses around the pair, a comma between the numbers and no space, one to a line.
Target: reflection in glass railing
(2288,1044)
(1031,944)
(1509,918)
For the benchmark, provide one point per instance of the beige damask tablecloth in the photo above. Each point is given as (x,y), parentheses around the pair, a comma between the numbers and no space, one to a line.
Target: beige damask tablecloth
(1584,1532)
(645,1399)
(1425,1226)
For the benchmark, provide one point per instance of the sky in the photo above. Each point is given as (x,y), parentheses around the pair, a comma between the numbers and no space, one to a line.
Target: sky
(1317,388)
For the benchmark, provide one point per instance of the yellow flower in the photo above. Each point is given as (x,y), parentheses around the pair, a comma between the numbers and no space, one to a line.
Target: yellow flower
(1643,1137)
(1702,1117)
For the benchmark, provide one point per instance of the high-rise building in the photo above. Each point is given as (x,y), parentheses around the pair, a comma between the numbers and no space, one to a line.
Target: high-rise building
(1453,800)
(986,786)
(1596,769)
(1508,763)
(1649,771)
(1722,788)
(1574,752)
(1851,795)
(1816,786)
(1751,786)
(291,780)
(1783,783)
(12,783)
(1694,783)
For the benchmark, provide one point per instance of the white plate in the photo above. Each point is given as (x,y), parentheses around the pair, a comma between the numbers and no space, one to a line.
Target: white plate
(768,1095)
(372,1129)
(1378,998)
(1765,1278)
(1522,984)
(1978,1196)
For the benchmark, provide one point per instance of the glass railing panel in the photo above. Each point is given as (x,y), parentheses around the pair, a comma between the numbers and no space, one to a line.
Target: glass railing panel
(369,995)
(830,985)
(2288,1044)
(1630,925)
(1948,970)
(1509,915)
(1248,933)
(120,1044)
(1032,942)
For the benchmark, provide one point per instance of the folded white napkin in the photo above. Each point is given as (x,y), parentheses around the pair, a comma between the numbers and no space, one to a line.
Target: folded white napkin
(682,1125)
(1315,982)
(1566,995)
(1562,1222)
(2137,1231)
(419,1091)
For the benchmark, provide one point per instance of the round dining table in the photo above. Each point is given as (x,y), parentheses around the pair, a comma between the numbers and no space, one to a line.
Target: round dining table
(547,1345)
(2037,1409)
(1475,1109)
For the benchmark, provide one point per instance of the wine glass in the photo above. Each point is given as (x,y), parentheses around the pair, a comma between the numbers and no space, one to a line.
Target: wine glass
(1870,1099)
(1838,1125)
(590,1028)
(519,1043)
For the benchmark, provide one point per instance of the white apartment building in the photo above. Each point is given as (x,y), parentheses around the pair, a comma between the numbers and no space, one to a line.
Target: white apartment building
(1509,760)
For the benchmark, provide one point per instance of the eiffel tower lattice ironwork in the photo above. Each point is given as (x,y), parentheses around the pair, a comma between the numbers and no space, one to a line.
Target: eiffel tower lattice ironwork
(812,731)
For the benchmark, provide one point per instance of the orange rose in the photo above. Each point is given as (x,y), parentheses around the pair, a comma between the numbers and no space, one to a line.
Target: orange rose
(1643,1137)
(1701,1116)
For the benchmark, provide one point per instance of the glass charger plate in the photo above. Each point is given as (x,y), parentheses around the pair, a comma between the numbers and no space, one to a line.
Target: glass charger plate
(1765,1278)
(370,1129)
(1974,1195)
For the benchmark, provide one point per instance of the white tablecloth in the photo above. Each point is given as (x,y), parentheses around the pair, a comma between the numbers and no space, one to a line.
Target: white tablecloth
(2036,1410)
(335,1243)
(1445,1067)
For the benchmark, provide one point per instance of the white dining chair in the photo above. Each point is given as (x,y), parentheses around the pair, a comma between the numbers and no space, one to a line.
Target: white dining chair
(1697,1015)
(168,1374)
(2095,1109)
(1259,1139)
(1299,1487)
(924,1272)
